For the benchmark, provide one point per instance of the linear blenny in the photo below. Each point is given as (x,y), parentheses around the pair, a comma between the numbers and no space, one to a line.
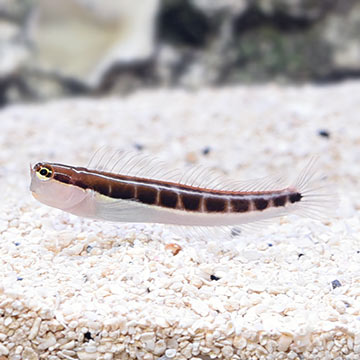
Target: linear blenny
(129,187)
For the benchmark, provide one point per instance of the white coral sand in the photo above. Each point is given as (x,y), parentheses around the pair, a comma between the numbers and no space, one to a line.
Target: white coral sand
(73,288)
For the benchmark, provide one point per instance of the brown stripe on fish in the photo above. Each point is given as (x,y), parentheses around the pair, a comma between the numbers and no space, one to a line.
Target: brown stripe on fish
(88,181)
(216,203)
(64,178)
(172,195)
(169,198)
(295,197)
(190,201)
(121,190)
(240,205)
(147,194)
(261,203)
(282,199)
(279,200)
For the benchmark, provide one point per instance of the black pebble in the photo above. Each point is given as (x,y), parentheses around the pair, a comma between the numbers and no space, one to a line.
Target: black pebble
(270,244)
(206,150)
(19,278)
(88,336)
(335,284)
(16,243)
(300,255)
(324,133)
(89,248)
(213,277)
(139,147)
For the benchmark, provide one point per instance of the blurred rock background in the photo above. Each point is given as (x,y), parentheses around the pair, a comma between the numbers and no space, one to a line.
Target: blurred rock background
(75,47)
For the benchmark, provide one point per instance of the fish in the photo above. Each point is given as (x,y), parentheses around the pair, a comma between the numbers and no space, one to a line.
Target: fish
(130,187)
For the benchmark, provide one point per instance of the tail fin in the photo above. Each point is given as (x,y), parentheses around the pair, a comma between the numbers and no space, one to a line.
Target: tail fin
(319,199)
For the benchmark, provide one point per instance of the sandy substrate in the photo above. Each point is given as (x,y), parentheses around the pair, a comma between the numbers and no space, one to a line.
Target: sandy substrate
(73,288)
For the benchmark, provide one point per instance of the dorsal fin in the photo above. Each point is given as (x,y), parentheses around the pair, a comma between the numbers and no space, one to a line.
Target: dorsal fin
(136,164)
(132,163)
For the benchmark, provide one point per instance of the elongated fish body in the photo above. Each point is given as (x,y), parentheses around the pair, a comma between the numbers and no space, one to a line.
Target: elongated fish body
(123,187)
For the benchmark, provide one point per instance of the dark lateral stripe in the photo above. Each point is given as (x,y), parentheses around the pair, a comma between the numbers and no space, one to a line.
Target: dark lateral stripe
(295,197)
(168,198)
(191,201)
(62,178)
(146,194)
(122,191)
(170,195)
(215,204)
(240,205)
(107,187)
(95,184)
(280,200)
(261,203)
(101,187)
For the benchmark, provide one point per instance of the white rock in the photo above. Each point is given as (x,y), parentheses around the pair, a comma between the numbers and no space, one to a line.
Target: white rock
(257,287)
(48,341)
(3,350)
(284,342)
(74,250)
(68,346)
(8,320)
(83,355)
(227,352)
(170,353)
(239,342)
(17,305)
(160,347)
(199,307)
(216,304)
(90,348)
(148,341)
(161,322)
(35,328)
(124,31)
(251,255)
(29,354)
(73,324)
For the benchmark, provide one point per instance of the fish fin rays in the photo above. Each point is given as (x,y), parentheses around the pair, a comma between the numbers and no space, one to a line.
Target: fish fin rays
(136,164)
(319,198)
(131,163)
(202,232)
(120,210)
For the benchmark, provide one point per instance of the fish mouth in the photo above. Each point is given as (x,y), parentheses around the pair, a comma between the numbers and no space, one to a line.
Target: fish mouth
(32,171)
(35,195)
(32,179)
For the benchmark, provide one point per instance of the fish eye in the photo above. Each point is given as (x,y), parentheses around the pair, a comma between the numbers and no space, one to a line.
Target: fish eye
(44,173)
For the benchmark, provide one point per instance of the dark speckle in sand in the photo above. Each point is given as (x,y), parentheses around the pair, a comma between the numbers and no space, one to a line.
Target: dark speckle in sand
(213,277)
(88,336)
(324,133)
(206,150)
(335,284)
